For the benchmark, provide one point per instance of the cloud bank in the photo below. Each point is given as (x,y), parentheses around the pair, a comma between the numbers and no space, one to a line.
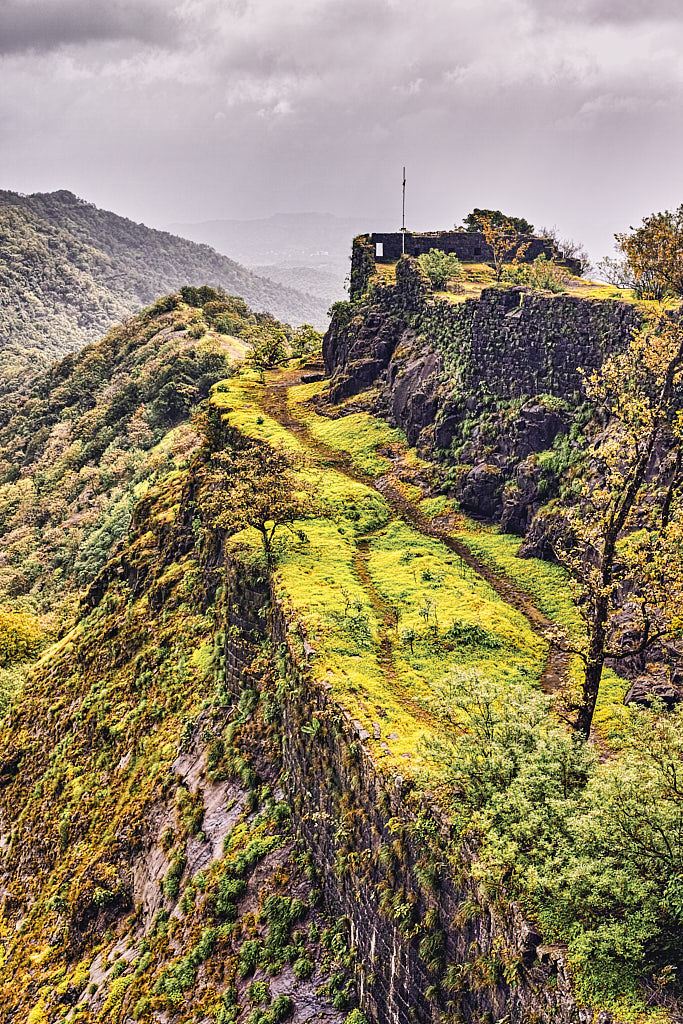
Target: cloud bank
(564,112)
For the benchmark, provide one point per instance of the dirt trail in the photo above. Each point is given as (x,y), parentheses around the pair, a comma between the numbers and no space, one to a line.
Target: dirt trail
(387,623)
(273,401)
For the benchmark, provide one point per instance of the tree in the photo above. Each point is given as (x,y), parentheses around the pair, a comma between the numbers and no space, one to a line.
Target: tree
(306,341)
(259,486)
(440,267)
(268,349)
(507,248)
(624,544)
(474,221)
(655,253)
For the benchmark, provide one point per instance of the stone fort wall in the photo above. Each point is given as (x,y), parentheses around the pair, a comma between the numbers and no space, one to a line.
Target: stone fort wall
(468,246)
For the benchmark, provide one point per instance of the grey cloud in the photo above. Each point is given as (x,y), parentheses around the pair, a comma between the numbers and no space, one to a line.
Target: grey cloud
(615,12)
(240,108)
(44,25)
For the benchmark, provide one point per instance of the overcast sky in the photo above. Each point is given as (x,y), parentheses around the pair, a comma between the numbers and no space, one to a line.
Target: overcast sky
(567,112)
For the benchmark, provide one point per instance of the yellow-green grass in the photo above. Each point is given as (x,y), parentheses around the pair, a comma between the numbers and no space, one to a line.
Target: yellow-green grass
(359,434)
(320,587)
(357,509)
(421,578)
(546,583)
(320,591)
(324,592)
(549,587)
(238,400)
(477,276)
(385,272)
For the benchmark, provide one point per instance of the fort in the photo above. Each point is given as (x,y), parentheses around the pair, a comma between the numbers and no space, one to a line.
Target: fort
(468,246)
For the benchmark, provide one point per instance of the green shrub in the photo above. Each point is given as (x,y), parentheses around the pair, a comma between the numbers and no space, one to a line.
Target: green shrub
(171,883)
(281,1008)
(441,267)
(303,968)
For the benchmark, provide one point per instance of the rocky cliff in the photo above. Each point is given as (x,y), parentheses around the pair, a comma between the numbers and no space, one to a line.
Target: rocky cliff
(492,384)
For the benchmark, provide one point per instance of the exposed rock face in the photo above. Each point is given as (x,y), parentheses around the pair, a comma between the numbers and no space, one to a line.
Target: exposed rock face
(493,381)
(661,685)
(360,352)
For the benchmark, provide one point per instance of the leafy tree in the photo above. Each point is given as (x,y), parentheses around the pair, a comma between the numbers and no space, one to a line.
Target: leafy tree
(595,851)
(202,295)
(475,221)
(259,486)
(306,341)
(654,252)
(268,349)
(506,245)
(624,542)
(440,267)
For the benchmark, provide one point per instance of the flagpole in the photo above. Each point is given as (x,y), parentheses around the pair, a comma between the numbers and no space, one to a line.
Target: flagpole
(403,223)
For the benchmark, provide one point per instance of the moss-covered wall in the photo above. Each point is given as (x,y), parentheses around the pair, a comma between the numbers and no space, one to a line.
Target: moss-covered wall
(517,343)
(362,265)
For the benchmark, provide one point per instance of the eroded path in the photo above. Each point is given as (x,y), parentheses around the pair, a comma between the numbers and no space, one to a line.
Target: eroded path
(272,399)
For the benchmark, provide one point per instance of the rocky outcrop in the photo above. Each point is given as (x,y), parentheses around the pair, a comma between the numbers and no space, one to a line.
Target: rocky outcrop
(487,383)
(659,685)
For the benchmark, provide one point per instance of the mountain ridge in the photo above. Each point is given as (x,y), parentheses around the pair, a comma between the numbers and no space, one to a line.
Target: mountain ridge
(69,271)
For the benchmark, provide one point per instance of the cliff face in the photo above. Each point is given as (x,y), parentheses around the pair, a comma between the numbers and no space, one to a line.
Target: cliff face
(490,383)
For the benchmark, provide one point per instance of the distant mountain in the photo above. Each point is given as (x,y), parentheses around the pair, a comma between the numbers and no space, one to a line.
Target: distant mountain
(327,285)
(69,270)
(311,249)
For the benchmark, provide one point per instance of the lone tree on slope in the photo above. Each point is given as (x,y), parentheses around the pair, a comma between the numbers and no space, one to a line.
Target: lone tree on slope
(261,487)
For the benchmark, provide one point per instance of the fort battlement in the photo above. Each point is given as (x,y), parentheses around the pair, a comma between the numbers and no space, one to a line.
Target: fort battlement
(468,246)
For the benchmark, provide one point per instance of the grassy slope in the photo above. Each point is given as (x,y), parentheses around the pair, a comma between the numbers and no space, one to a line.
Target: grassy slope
(320,585)
(361,435)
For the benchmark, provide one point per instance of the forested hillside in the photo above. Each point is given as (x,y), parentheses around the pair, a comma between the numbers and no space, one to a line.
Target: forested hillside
(69,270)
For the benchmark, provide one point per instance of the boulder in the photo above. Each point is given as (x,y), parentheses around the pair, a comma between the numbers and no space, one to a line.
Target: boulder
(660,684)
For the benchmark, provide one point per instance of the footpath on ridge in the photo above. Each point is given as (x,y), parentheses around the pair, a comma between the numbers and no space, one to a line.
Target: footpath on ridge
(273,400)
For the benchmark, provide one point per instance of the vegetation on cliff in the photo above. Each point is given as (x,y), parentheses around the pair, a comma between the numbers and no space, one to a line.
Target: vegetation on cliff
(148,830)
(148,863)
